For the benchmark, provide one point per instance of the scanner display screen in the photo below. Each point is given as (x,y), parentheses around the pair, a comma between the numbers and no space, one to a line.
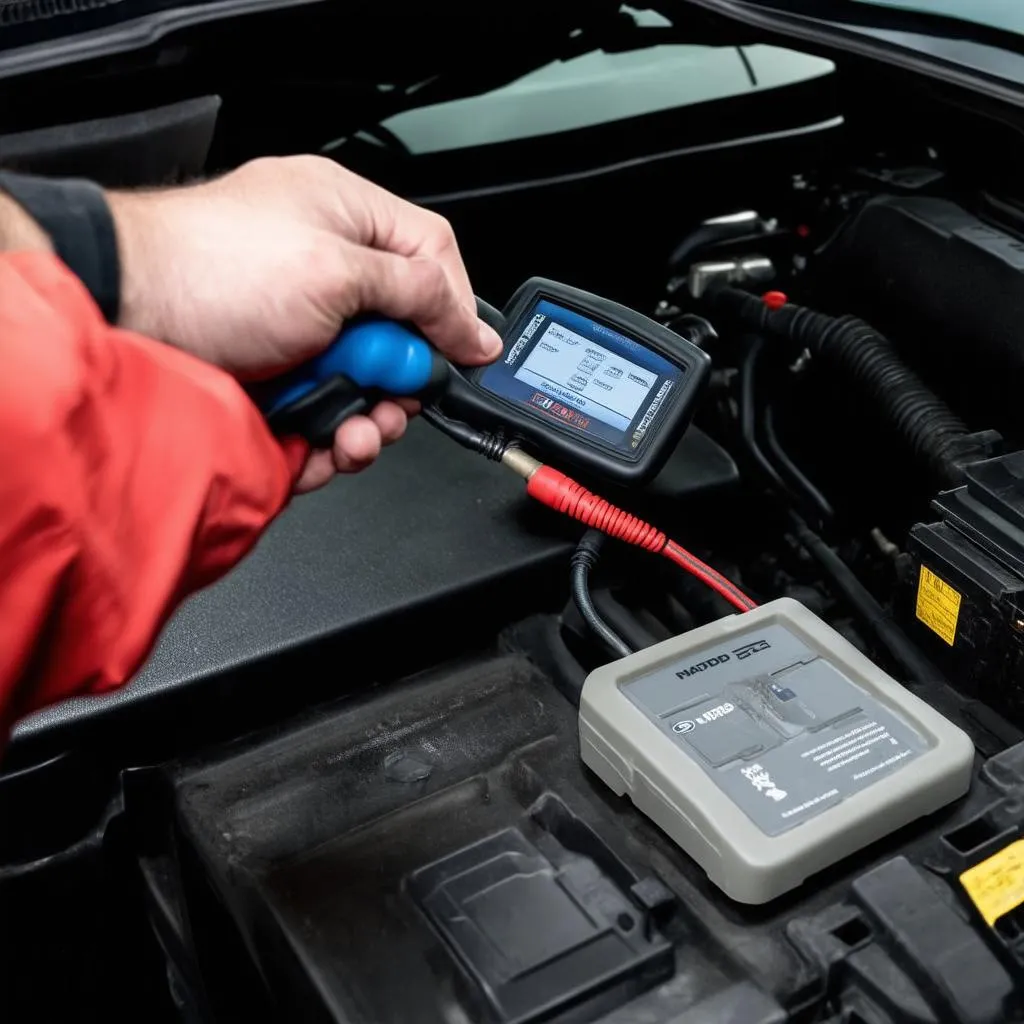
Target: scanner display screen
(575,371)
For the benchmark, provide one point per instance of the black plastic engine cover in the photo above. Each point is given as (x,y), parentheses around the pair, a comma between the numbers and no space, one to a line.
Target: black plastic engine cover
(434,542)
(339,855)
(436,852)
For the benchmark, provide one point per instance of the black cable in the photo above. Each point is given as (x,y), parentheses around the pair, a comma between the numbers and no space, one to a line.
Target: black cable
(748,420)
(800,490)
(490,445)
(584,558)
(461,433)
(791,469)
(624,622)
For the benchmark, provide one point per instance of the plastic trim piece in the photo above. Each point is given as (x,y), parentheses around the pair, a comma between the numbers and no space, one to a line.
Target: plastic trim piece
(132,35)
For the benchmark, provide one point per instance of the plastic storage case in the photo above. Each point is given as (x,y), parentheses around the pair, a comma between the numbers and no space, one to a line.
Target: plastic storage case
(768,747)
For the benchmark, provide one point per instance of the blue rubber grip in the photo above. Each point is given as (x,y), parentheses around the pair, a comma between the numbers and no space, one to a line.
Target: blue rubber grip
(374,353)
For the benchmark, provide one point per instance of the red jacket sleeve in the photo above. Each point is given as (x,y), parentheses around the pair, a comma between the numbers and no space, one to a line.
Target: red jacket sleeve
(130,475)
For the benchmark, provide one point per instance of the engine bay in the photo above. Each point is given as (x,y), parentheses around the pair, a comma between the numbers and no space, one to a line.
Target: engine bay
(348,786)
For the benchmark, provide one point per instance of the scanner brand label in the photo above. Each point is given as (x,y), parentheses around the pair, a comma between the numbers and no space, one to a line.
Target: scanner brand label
(652,411)
(709,716)
(559,411)
(748,650)
(739,653)
(712,714)
(531,329)
(703,666)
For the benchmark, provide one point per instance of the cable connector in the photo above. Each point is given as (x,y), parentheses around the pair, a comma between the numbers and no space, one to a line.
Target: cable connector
(588,551)
(490,446)
(519,462)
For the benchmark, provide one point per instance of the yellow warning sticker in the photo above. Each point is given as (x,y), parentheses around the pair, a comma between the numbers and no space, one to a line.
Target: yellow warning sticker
(938,605)
(996,885)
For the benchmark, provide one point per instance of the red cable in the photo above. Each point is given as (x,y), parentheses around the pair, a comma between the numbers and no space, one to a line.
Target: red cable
(715,580)
(563,494)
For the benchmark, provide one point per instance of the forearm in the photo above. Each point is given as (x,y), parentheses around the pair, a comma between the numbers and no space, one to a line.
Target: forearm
(148,271)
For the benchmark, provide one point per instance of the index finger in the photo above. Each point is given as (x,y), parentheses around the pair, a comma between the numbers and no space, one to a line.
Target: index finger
(396,225)
(418,289)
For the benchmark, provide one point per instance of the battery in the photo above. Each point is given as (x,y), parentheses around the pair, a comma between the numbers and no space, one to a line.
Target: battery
(963,591)
(768,747)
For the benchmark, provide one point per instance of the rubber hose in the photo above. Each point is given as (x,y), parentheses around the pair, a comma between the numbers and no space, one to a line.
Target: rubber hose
(930,428)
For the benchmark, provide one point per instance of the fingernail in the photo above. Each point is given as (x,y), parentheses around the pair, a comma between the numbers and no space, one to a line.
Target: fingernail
(490,343)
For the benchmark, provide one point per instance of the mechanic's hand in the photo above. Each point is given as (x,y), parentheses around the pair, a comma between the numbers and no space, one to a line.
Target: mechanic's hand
(257,270)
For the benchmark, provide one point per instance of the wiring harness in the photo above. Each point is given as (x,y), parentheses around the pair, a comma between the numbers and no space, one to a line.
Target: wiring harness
(553,488)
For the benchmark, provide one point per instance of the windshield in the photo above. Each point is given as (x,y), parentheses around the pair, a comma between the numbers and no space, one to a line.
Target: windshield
(599,87)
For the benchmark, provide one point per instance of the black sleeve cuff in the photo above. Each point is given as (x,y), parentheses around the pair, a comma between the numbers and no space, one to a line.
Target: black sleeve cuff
(75,214)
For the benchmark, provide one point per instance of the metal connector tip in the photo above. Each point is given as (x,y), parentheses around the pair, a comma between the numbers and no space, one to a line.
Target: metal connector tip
(519,462)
